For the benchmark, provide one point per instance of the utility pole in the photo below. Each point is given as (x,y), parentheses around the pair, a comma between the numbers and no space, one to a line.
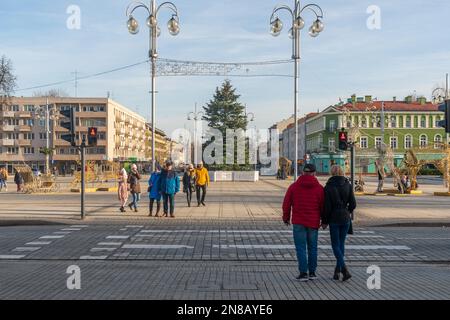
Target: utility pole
(76,82)
(83,171)
(448,142)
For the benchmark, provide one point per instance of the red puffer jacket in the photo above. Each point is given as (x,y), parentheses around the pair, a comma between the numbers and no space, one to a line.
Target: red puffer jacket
(305,198)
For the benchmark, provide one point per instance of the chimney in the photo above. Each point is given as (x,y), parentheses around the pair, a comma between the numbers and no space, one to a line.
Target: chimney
(422,100)
(368,99)
(394,99)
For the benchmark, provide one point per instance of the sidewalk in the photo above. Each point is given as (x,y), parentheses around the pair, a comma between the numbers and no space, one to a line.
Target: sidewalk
(225,200)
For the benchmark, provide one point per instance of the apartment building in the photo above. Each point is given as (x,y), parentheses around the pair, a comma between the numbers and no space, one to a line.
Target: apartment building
(122,133)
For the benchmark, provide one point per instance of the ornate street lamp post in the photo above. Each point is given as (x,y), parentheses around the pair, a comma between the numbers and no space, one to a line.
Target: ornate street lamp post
(152,22)
(294,33)
(195,116)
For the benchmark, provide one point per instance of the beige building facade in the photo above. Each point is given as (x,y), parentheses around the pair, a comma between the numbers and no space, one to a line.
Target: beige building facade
(123,135)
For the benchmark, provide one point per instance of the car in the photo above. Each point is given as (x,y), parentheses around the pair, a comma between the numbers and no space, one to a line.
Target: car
(36,172)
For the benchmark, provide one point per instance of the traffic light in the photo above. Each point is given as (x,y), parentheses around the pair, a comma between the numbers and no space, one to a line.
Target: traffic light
(343,140)
(69,124)
(445,107)
(92,137)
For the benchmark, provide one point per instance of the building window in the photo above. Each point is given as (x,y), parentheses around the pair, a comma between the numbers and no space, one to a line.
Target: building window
(29,108)
(394,143)
(408,122)
(12,136)
(423,122)
(393,122)
(408,141)
(12,150)
(364,122)
(28,150)
(332,125)
(28,136)
(13,122)
(41,122)
(43,135)
(331,145)
(437,141)
(436,124)
(378,142)
(363,143)
(29,122)
(14,108)
(423,140)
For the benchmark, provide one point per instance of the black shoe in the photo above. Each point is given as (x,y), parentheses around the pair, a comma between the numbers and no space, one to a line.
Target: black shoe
(122,209)
(150,214)
(303,277)
(203,204)
(131,206)
(312,276)
(346,274)
(136,210)
(172,215)
(198,205)
(336,274)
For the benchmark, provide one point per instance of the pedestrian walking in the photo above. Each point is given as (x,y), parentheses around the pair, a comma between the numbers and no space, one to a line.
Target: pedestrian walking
(189,182)
(122,191)
(303,206)
(381,175)
(153,191)
(201,183)
(338,212)
(3,179)
(19,181)
(169,186)
(135,187)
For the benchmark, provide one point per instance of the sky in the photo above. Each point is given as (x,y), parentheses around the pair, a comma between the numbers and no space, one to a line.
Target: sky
(409,52)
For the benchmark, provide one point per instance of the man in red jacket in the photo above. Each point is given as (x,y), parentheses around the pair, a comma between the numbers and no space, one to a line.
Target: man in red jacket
(305,199)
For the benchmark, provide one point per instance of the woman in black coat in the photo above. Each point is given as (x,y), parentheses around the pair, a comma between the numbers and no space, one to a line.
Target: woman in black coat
(338,211)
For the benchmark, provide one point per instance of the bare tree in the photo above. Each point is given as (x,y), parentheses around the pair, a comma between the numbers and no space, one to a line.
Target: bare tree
(7,79)
(54,93)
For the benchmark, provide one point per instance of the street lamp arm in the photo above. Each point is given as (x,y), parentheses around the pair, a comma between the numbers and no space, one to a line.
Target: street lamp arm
(135,5)
(279,8)
(313,7)
(168,5)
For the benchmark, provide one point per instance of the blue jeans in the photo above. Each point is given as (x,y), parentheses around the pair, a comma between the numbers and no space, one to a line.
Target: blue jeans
(136,198)
(338,234)
(3,184)
(168,199)
(306,237)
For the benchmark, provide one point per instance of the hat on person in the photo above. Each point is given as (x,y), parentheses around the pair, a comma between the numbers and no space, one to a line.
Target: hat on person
(309,168)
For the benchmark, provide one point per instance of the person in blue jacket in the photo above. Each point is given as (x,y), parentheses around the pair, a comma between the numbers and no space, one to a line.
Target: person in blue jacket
(153,191)
(169,186)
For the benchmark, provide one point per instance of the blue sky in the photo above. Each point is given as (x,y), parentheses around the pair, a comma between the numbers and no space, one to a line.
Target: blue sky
(409,53)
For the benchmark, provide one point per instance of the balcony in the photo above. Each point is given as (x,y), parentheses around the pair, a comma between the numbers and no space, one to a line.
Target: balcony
(24,143)
(25,128)
(7,142)
(24,114)
(8,128)
(8,114)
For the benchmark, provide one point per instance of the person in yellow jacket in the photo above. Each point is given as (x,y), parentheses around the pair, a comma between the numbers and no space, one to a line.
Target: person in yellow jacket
(201,182)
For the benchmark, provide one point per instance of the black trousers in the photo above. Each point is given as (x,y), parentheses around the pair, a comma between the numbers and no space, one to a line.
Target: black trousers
(189,196)
(199,190)
(158,205)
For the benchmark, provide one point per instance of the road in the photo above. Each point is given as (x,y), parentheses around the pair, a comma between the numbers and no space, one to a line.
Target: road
(214,259)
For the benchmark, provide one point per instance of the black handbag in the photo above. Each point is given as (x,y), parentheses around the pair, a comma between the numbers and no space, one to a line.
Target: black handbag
(350,229)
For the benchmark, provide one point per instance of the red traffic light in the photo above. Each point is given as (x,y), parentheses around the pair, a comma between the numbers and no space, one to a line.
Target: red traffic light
(93,132)
(343,136)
